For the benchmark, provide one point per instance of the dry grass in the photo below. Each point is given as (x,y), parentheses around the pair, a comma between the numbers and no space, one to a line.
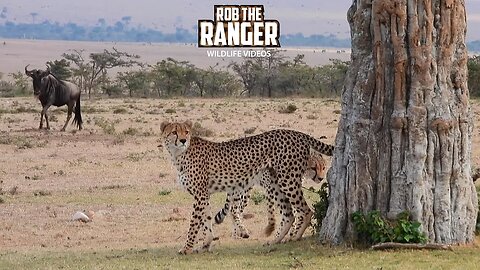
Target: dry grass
(244,254)
(141,215)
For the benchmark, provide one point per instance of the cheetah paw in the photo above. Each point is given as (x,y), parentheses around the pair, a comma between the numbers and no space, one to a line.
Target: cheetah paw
(185,251)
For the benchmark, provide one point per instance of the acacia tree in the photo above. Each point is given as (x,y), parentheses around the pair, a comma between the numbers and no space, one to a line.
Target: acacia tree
(90,72)
(247,71)
(60,68)
(404,137)
(81,70)
(172,77)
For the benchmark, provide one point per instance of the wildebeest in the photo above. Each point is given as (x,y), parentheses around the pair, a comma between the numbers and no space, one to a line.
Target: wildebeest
(52,91)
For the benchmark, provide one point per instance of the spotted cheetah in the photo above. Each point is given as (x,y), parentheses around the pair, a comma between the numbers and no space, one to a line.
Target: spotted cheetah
(316,171)
(205,167)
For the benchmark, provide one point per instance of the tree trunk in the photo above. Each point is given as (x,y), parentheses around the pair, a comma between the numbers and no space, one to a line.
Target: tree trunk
(404,137)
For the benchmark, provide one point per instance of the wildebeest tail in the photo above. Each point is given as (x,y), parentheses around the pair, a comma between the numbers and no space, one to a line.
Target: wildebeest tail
(78,115)
(320,146)
(220,216)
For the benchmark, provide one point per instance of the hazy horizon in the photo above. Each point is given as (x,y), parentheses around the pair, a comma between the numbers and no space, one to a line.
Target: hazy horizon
(308,17)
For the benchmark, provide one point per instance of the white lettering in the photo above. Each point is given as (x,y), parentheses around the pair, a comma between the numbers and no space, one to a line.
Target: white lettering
(257,34)
(271,34)
(220,39)
(258,14)
(246,36)
(234,34)
(206,33)
(219,14)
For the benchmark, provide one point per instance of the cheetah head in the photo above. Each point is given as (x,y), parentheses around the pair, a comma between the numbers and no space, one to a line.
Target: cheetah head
(316,167)
(176,136)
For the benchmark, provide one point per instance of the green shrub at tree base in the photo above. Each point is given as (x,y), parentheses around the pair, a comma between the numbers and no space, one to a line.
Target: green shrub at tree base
(477,228)
(320,207)
(373,228)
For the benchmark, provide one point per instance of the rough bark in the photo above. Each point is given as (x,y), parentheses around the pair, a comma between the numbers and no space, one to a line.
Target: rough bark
(404,136)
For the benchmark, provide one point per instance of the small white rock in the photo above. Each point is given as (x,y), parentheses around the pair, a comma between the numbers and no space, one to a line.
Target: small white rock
(80,216)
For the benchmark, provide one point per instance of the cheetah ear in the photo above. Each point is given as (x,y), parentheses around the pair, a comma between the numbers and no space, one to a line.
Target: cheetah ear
(164,125)
(188,123)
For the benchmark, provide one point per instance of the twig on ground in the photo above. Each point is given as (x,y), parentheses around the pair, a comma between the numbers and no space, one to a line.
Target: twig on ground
(392,245)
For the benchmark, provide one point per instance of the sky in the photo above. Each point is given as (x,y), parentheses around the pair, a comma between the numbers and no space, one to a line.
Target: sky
(307,17)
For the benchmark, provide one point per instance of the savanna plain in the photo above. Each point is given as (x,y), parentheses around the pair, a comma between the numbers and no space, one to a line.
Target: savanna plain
(115,168)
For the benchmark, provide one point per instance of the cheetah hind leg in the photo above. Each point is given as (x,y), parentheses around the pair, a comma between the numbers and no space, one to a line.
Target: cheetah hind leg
(270,189)
(302,225)
(270,216)
(239,203)
(234,203)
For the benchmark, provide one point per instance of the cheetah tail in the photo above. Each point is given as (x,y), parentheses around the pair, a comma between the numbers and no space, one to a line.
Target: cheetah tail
(269,229)
(321,147)
(220,216)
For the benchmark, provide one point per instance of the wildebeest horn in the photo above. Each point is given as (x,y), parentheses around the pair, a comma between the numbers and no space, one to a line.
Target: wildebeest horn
(48,70)
(27,72)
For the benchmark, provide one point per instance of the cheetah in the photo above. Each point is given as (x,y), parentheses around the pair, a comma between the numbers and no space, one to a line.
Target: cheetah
(205,167)
(316,171)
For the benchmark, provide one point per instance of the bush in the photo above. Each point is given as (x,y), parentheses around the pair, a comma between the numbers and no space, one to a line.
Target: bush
(477,229)
(130,131)
(113,90)
(7,89)
(290,108)
(198,130)
(257,197)
(164,192)
(250,130)
(320,207)
(373,228)
(120,111)
(107,127)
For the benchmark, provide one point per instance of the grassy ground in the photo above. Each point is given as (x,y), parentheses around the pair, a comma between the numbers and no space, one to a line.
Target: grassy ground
(306,254)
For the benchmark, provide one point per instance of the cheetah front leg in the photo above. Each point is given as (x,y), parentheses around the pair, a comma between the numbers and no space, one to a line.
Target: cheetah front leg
(286,213)
(303,214)
(207,230)
(201,220)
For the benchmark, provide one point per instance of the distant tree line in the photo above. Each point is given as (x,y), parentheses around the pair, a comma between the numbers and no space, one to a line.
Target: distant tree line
(122,30)
(274,76)
(119,31)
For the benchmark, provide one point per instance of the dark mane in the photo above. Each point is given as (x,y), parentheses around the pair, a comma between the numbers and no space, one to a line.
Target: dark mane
(60,81)
(51,84)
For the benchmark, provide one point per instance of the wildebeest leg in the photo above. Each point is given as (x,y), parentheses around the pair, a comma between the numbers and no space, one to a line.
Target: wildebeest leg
(44,113)
(69,114)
